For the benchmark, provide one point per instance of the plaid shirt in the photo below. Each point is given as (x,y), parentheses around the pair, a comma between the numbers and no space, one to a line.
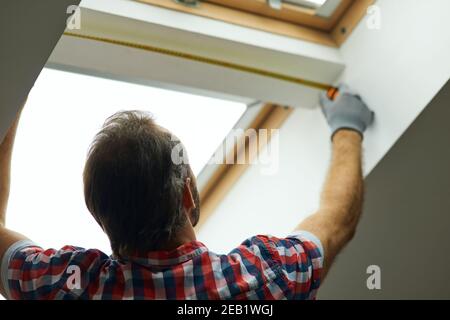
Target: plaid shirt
(262,267)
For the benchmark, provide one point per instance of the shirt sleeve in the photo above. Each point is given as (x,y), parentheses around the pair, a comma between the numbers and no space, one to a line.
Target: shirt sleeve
(30,272)
(298,258)
(310,250)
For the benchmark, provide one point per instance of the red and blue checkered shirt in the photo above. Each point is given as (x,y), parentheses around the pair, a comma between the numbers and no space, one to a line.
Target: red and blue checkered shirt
(262,267)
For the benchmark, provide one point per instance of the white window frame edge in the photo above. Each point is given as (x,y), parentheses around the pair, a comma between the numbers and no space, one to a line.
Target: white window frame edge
(310,61)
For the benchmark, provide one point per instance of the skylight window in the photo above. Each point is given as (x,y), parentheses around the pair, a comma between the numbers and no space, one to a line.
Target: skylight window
(63,113)
(313,3)
(326,22)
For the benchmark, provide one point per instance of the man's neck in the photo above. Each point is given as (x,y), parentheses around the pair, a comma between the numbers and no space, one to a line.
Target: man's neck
(185,235)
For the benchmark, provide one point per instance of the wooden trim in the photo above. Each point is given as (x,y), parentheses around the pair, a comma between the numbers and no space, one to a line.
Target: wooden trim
(350,20)
(250,20)
(288,12)
(270,117)
(290,21)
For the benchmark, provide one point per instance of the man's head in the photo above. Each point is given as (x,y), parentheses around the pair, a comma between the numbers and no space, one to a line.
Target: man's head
(140,197)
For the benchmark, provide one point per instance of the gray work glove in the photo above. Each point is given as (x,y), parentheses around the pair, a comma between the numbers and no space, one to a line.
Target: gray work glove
(347,111)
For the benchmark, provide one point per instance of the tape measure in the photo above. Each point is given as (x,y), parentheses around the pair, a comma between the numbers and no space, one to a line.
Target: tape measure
(332,93)
(216,62)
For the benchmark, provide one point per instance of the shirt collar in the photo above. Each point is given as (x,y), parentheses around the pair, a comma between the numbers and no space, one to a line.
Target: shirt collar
(179,255)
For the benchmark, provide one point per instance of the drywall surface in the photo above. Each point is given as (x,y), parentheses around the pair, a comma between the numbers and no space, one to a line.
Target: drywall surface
(148,68)
(397,69)
(29,30)
(400,67)
(138,23)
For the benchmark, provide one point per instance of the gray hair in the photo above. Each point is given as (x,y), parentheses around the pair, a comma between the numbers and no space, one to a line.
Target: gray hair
(131,185)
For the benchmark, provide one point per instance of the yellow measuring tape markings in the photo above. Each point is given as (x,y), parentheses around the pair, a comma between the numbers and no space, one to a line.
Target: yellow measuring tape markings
(192,57)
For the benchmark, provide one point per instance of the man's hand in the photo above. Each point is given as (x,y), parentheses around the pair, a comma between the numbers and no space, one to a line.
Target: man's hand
(347,111)
(342,196)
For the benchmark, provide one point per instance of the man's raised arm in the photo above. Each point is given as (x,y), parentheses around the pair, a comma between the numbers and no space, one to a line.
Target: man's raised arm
(342,196)
(7,237)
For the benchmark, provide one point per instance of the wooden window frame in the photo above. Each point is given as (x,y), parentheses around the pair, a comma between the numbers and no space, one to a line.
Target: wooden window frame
(290,20)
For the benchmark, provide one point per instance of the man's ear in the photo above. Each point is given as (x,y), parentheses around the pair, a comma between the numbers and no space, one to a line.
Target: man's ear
(188,199)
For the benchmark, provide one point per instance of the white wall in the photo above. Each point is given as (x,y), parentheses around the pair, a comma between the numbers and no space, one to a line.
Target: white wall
(397,69)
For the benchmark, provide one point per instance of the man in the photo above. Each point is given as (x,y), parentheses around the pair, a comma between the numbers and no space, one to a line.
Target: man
(148,206)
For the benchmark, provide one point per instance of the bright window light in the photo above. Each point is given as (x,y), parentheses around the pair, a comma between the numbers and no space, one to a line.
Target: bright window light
(317,2)
(63,113)
(308,3)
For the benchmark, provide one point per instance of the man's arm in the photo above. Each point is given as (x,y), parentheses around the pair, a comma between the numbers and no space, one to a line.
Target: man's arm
(7,237)
(342,196)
